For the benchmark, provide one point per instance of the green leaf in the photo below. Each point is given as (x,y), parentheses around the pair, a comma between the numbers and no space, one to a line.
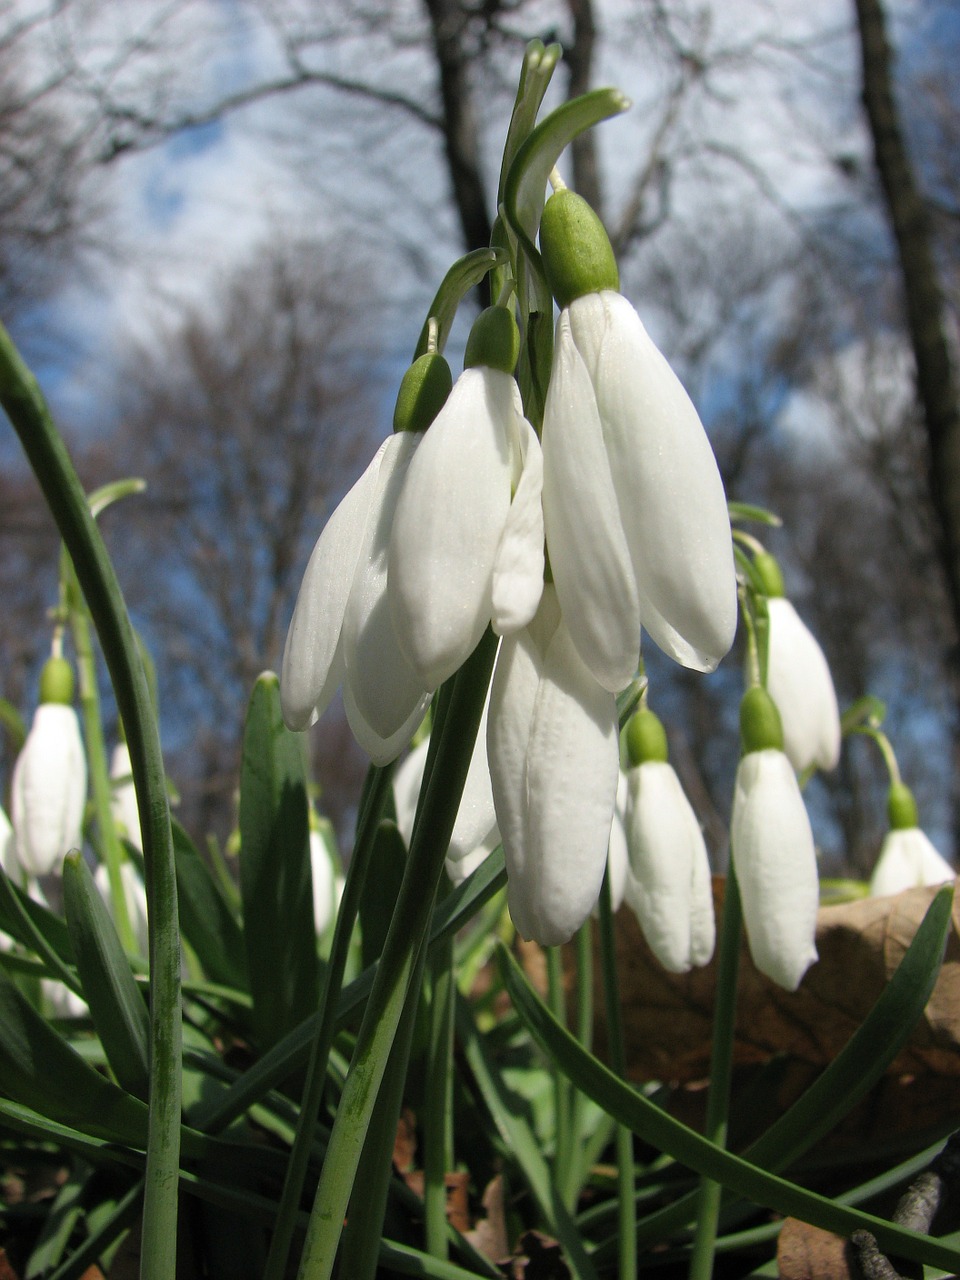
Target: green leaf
(380,889)
(689,1148)
(107,494)
(59,1222)
(275,878)
(41,1071)
(207,921)
(465,274)
(35,927)
(116,1005)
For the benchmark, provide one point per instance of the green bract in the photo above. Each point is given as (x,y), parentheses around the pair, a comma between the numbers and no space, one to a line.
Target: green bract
(760,727)
(423,393)
(56,681)
(577,254)
(901,807)
(646,738)
(494,341)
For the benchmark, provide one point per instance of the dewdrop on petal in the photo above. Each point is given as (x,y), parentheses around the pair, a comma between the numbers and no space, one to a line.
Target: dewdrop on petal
(635,514)
(772,848)
(49,787)
(668,882)
(908,858)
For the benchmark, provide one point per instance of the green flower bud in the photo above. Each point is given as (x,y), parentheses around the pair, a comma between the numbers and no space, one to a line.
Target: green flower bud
(646,738)
(423,393)
(768,571)
(901,808)
(56,681)
(760,727)
(577,253)
(494,341)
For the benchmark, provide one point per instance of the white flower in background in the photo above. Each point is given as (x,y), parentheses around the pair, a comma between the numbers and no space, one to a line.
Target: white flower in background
(49,787)
(908,858)
(136,899)
(467,543)
(8,853)
(773,850)
(123,796)
(799,679)
(476,822)
(618,859)
(553,746)
(323,870)
(635,513)
(668,882)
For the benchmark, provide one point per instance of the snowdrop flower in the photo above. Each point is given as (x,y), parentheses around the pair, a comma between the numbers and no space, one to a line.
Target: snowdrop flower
(799,680)
(136,898)
(618,858)
(8,856)
(123,796)
(907,857)
(668,882)
(476,822)
(467,543)
(553,746)
(635,513)
(772,849)
(341,632)
(50,777)
(323,869)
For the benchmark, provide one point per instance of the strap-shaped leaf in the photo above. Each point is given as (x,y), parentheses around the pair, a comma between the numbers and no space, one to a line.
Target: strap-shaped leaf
(689,1148)
(206,919)
(116,1005)
(275,878)
(380,889)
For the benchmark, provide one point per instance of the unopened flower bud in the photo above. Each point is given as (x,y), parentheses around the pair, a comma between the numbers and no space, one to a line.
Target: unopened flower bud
(56,681)
(494,341)
(901,807)
(423,392)
(768,571)
(577,254)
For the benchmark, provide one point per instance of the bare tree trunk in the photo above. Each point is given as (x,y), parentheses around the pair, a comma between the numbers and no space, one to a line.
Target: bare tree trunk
(447,23)
(579,58)
(927,315)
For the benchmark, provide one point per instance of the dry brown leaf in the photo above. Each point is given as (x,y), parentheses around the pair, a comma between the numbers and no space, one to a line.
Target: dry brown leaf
(668,1017)
(807,1253)
(489,1236)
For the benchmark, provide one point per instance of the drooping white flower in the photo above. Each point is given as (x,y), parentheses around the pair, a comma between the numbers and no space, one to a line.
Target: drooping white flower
(773,852)
(908,858)
(49,789)
(135,895)
(800,683)
(123,796)
(553,746)
(341,632)
(668,883)
(476,822)
(635,513)
(618,859)
(467,543)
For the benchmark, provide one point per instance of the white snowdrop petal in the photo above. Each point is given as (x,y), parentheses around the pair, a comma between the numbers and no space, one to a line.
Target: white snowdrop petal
(123,796)
(572,767)
(135,895)
(382,749)
(799,681)
(670,497)
(8,856)
(617,855)
(323,877)
(589,556)
(669,883)
(518,566)
(907,860)
(312,665)
(383,686)
(448,525)
(407,779)
(776,864)
(49,790)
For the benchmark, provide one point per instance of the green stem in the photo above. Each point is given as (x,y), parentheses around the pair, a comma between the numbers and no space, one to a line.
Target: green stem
(24,404)
(626,1171)
(438,1104)
(375,799)
(110,848)
(562,1091)
(721,1071)
(576,1170)
(451,746)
